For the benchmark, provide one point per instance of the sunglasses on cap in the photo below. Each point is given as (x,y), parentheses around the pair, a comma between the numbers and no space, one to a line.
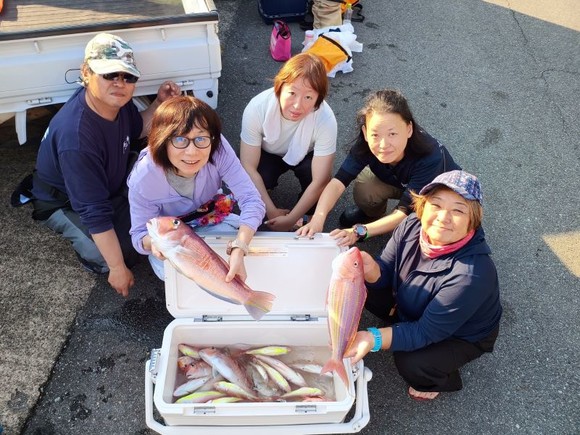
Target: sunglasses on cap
(128,78)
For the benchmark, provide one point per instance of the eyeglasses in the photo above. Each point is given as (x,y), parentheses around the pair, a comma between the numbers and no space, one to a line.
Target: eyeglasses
(128,78)
(200,142)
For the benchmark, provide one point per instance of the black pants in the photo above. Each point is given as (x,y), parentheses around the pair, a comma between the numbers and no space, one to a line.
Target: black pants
(272,167)
(435,367)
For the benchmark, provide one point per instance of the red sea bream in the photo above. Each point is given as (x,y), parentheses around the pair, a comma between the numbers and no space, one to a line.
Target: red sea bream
(193,257)
(345,301)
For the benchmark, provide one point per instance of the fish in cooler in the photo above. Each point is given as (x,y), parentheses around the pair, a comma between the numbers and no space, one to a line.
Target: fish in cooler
(290,374)
(248,375)
(200,397)
(195,259)
(227,366)
(190,386)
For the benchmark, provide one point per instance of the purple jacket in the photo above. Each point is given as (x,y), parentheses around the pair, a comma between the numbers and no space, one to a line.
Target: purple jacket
(150,195)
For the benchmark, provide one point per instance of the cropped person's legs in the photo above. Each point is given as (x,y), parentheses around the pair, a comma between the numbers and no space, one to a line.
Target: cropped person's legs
(67,223)
(436,367)
(371,194)
(270,168)
(371,197)
(303,171)
(122,225)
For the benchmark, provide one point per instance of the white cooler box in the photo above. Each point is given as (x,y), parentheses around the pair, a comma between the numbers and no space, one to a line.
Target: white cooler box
(298,272)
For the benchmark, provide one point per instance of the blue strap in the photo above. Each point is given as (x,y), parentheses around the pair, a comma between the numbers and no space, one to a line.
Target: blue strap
(378,339)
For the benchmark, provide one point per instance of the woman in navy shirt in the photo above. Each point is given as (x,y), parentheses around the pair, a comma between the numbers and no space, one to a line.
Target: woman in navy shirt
(391,157)
(436,285)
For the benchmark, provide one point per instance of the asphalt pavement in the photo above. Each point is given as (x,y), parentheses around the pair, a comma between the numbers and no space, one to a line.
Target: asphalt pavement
(499,86)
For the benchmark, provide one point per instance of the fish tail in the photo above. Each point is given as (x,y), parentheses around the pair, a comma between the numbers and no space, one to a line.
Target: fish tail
(338,367)
(259,303)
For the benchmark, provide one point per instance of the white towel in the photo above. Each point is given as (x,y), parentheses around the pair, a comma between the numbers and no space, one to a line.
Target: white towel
(300,142)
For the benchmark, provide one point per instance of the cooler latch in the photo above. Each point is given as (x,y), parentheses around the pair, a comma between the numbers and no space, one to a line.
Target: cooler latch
(207,318)
(204,410)
(305,409)
(153,369)
(302,318)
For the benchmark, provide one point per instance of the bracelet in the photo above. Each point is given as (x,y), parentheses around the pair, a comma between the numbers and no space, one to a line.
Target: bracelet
(237,243)
(378,339)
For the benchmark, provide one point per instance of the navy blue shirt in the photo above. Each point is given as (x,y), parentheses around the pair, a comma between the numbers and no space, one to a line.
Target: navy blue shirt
(411,173)
(85,156)
(455,295)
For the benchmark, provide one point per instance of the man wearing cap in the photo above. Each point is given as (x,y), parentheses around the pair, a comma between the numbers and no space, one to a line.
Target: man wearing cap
(84,157)
(436,286)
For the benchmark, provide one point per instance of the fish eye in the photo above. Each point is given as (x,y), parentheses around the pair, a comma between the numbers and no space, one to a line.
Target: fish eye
(176,222)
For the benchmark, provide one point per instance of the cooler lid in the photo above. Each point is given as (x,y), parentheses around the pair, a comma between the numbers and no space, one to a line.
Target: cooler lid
(296,270)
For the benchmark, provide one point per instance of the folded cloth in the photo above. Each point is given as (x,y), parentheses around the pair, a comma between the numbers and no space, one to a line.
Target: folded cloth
(300,142)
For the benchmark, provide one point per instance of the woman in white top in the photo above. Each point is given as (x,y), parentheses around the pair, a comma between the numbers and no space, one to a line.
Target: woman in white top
(290,127)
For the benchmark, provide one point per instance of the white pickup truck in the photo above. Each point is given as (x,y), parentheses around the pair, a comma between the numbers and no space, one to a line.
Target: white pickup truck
(42,45)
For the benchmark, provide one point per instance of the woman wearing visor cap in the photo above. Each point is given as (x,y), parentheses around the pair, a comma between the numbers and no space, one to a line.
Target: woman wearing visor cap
(436,287)
(82,163)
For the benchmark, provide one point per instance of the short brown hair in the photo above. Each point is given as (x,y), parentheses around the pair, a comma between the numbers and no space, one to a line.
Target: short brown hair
(475,210)
(304,66)
(176,117)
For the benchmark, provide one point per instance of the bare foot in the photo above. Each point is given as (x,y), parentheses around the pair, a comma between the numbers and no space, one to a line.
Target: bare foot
(422,395)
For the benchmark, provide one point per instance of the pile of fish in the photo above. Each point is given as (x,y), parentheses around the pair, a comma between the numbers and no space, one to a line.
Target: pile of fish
(195,259)
(242,374)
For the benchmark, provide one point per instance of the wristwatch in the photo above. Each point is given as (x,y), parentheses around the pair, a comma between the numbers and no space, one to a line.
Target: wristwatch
(237,243)
(360,231)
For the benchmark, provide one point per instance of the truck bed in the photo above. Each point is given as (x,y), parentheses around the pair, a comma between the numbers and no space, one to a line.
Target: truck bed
(33,16)
(172,39)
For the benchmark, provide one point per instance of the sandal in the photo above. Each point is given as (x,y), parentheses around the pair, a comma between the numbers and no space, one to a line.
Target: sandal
(422,395)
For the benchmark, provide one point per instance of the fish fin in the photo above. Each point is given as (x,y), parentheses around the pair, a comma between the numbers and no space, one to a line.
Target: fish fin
(259,303)
(218,296)
(338,367)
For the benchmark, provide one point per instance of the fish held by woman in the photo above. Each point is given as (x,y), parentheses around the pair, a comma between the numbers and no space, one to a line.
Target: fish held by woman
(345,302)
(194,258)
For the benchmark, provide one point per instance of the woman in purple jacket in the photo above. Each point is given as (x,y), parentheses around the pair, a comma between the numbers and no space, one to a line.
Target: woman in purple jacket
(181,171)
(436,285)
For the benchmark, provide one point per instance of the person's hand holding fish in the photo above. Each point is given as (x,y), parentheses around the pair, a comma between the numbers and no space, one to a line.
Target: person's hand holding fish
(237,266)
(364,341)
(155,251)
(372,272)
